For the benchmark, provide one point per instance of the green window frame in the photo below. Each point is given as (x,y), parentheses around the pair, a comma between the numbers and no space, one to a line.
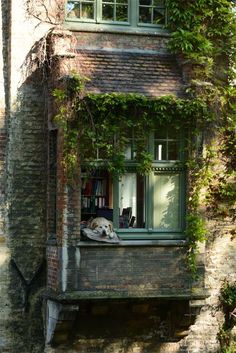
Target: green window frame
(163,189)
(124,13)
(154,204)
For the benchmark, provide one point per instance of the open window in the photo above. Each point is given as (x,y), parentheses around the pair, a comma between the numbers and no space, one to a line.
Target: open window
(142,206)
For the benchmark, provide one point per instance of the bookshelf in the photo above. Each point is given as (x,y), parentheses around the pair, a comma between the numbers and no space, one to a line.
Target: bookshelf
(96,194)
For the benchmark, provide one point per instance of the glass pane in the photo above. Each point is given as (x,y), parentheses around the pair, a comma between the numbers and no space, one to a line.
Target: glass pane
(158,16)
(160,151)
(173,150)
(108,12)
(161,134)
(122,2)
(121,13)
(96,195)
(145,15)
(73,10)
(131,201)
(87,11)
(128,151)
(173,133)
(166,203)
(145,2)
(166,144)
(131,148)
(160,3)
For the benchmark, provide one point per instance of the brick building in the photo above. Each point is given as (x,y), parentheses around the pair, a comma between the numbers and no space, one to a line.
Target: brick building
(61,292)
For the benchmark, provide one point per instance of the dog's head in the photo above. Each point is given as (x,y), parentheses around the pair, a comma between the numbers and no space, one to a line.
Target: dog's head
(102,226)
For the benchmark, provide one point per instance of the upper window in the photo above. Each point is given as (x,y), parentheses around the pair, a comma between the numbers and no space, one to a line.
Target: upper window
(134,13)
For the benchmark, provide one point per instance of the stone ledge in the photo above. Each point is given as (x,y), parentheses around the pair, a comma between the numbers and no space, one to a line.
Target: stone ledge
(72,297)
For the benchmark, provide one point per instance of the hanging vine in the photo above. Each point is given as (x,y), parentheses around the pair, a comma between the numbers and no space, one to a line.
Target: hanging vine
(203,35)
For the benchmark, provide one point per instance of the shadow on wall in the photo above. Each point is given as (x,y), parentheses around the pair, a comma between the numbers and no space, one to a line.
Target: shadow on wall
(26,196)
(126,326)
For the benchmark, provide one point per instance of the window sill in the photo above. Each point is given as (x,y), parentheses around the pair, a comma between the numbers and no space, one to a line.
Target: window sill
(125,243)
(93,27)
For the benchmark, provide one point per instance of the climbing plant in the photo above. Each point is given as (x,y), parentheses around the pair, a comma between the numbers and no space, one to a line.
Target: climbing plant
(203,35)
(228,301)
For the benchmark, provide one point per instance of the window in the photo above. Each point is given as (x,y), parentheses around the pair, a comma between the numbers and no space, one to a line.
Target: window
(133,13)
(142,206)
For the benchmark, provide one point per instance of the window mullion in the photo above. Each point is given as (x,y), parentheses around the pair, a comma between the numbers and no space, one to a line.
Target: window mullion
(149,201)
(116,211)
(133,12)
(182,210)
(98,11)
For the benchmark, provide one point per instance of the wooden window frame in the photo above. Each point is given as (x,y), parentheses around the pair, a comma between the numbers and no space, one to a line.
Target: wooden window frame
(133,22)
(164,167)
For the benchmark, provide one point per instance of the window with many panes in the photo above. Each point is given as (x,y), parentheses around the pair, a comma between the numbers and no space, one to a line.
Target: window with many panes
(134,13)
(140,206)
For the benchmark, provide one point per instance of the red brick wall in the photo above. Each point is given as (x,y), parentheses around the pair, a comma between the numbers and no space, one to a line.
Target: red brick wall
(53,267)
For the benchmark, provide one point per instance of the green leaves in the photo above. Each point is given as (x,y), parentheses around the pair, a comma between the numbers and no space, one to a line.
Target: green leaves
(195,232)
(204,32)
(228,295)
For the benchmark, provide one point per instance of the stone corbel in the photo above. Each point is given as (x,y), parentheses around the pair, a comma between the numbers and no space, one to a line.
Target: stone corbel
(59,321)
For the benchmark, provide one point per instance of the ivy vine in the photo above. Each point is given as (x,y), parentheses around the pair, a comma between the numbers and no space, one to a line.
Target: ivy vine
(228,301)
(203,35)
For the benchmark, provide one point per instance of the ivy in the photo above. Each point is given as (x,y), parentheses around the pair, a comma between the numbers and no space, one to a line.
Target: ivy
(228,302)
(203,35)
(203,32)
(94,120)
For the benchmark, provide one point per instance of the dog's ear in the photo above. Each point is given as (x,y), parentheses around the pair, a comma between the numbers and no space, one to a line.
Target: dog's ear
(94,225)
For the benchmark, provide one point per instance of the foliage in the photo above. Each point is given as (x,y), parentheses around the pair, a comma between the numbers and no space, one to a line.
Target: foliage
(90,127)
(203,34)
(228,301)
(230,349)
(97,119)
(228,295)
(195,232)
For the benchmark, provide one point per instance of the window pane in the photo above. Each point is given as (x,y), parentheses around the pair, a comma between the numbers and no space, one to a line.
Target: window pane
(80,9)
(160,3)
(130,150)
(161,133)
(166,201)
(108,12)
(158,16)
(145,2)
(73,10)
(167,145)
(115,10)
(145,15)
(160,151)
(96,195)
(131,201)
(121,13)
(173,150)
(87,11)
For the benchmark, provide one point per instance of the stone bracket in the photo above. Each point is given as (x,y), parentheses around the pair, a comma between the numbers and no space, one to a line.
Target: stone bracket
(59,319)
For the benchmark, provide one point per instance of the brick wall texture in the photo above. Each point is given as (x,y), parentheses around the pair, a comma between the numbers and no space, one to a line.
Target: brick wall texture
(52,267)
(24,98)
(145,270)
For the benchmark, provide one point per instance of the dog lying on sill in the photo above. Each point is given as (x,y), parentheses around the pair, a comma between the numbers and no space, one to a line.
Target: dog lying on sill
(100,229)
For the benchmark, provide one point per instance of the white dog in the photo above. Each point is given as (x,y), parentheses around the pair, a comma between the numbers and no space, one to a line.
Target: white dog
(102,226)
